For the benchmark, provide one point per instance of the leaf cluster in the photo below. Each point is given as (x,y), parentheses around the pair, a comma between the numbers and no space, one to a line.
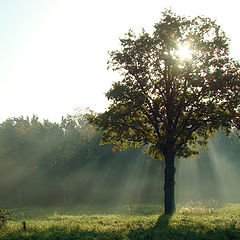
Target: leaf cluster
(165,102)
(5,216)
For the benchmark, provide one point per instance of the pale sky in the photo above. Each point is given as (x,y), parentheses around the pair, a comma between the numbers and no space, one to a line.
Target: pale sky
(53,53)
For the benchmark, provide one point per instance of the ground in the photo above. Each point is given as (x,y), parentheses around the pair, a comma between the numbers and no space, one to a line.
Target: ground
(192,221)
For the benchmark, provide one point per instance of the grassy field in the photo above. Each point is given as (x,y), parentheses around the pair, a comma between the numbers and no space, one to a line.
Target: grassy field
(125,222)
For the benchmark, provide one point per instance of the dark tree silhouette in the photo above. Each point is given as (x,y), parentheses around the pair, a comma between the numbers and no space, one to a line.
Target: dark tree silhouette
(171,100)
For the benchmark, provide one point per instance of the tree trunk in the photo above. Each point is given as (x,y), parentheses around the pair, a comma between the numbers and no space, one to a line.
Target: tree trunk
(169,199)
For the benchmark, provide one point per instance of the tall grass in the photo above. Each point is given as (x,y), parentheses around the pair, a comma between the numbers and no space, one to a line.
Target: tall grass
(125,222)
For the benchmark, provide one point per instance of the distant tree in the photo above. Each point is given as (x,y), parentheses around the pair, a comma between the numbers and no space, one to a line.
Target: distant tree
(178,87)
(45,163)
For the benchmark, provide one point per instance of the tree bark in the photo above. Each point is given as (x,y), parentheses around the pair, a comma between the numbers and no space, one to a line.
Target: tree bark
(169,183)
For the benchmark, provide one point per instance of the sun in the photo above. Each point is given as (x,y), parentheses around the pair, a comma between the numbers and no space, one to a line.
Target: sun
(185,52)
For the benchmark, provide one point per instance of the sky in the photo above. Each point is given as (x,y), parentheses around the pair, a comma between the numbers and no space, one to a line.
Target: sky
(53,53)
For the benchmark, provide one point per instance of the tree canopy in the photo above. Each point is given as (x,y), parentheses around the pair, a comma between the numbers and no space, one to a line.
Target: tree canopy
(167,102)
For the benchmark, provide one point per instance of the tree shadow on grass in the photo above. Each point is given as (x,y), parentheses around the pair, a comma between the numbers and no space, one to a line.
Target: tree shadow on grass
(158,231)
(162,230)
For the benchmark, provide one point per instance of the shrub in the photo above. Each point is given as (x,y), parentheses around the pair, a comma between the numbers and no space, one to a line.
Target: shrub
(5,215)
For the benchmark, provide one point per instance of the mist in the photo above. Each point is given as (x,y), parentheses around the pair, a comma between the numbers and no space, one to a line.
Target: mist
(50,164)
(212,175)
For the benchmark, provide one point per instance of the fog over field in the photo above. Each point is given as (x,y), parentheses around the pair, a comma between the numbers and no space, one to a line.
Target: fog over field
(47,164)
(215,174)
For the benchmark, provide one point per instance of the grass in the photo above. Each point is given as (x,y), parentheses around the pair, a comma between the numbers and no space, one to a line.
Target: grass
(123,223)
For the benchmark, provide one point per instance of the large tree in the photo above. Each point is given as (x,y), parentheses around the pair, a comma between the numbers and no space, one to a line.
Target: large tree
(178,87)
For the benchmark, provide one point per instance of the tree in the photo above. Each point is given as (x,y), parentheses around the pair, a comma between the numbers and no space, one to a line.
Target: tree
(169,101)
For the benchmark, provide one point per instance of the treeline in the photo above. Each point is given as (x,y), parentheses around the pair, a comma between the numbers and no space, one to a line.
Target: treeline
(44,163)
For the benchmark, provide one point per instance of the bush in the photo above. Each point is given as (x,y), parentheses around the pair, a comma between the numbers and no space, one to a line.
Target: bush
(5,215)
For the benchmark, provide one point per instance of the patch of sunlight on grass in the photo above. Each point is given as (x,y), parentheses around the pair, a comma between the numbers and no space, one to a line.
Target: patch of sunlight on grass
(187,223)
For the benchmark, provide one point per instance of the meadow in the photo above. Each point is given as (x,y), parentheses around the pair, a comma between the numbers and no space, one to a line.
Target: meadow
(192,221)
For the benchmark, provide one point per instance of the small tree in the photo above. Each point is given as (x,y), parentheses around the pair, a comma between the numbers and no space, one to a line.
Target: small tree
(178,87)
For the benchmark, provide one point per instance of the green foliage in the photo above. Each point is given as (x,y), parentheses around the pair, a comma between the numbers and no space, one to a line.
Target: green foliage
(5,216)
(167,103)
(222,223)
(45,163)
